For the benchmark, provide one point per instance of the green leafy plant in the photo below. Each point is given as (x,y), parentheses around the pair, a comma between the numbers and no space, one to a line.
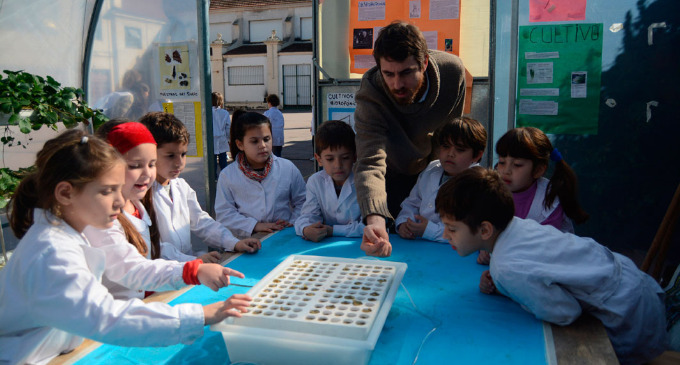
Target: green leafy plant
(50,104)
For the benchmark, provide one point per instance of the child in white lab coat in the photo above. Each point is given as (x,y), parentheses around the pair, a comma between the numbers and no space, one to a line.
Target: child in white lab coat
(136,226)
(52,294)
(331,207)
(554,275)
(259,192)
(276,119)
(221,126)
(178,212)
(524,155)
(461,145)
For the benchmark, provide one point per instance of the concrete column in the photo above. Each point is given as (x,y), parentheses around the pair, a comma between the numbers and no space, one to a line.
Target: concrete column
(272,74)
(334,38)
(217,65)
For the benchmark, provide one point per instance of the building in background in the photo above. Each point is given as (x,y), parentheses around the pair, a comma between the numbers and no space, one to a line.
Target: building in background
(261,48)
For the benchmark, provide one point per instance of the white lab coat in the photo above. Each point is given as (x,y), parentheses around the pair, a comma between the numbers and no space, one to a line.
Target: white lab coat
(323,205)
(557,276)
(51,296)
(142,225)
(181,215)
(241,202)
(128,274)
(276,118)
(421,201)
(539,213)
(221,127)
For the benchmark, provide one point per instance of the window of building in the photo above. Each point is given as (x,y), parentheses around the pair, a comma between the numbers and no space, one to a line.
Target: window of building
(306,32)
(245,75)
(260,30)
(133,37)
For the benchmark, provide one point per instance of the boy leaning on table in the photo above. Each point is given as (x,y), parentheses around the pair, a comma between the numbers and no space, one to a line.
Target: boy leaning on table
(554,275)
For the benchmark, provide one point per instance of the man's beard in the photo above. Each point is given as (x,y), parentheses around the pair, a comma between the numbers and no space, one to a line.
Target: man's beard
(411,96)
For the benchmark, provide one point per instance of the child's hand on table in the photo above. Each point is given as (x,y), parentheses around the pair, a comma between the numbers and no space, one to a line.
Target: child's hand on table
(484,257)
(216,276)
(417,226)
(486,284)
(315,232)
(232,307)
(404,232)
(211,257)
(249,245)
(269,227)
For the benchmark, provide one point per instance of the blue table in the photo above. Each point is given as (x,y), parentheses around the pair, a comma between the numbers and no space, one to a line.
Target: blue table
(439,296)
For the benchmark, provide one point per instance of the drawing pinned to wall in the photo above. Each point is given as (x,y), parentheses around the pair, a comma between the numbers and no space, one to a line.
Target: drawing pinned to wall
(558,81)
(556,10)
(363,38)
(437,19)
(414,9)
(444,9)
(174,67)
(371,10)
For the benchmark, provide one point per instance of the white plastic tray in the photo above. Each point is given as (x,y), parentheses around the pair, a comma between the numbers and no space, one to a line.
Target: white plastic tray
(315,309)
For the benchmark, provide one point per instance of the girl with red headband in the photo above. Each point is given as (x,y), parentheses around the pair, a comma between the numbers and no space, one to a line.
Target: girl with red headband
(137,225)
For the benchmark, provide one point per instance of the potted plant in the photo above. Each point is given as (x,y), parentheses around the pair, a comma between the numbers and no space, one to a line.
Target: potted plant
(31,102)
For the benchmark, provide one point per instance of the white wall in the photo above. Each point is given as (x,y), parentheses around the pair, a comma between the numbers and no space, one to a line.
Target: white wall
(244,93)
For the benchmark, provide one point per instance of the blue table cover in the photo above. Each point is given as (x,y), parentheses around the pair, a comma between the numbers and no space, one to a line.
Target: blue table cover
(440,291)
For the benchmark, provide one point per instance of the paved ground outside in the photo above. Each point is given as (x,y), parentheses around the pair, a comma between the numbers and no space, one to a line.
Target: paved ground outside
(297,148)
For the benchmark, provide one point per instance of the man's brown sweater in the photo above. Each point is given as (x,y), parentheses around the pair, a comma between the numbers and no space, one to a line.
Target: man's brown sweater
(398,137)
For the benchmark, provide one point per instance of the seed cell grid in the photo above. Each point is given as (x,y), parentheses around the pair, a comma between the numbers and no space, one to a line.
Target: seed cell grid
(320,296)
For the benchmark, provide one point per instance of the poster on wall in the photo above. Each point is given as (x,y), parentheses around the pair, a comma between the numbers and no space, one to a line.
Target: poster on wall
(176,71)
(341,106)
(556,10)
(190,114)
(558,82)
(439,20)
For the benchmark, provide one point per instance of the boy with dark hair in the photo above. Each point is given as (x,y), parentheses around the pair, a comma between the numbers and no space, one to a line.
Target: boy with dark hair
(177,208)
(276,118)
(461,144)
(554,275)
(331,208)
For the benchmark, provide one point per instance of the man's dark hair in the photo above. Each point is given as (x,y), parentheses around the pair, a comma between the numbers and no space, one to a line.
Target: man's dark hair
(399,40)
(334,134)
(474,196)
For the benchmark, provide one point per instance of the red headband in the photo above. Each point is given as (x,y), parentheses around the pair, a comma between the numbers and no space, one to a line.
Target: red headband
(127,136)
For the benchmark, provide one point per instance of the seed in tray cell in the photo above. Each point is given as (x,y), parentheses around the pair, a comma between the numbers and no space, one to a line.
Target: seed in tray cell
(356,302)
(367,310)
(257,312)
(348,321)
(310,318)
(314,311)
(361,323)
(323,319)
(330,306)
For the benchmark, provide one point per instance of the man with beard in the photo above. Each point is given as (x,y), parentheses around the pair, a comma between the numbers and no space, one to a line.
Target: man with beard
(401,101)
